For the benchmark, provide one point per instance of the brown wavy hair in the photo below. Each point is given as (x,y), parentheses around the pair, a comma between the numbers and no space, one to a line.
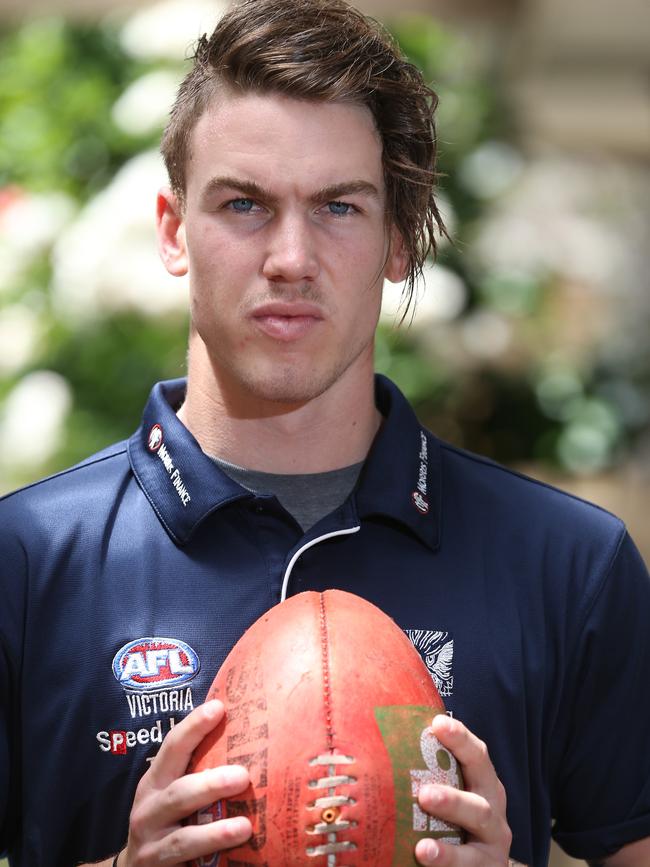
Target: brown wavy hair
(323,50)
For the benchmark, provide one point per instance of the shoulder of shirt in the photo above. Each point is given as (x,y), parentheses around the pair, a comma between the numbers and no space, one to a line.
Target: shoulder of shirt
(111,462)
(516,492)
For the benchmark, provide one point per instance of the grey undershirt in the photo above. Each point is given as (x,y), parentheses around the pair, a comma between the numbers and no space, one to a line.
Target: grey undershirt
(307,497)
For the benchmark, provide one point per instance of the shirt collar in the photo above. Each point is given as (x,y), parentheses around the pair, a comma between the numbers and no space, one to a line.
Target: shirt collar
(180,481)
(400,479)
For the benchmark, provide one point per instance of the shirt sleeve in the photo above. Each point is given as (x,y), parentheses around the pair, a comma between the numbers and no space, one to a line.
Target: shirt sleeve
(13,583)
(601,750)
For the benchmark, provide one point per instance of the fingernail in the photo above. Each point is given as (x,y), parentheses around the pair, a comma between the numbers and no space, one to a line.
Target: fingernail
(442,721)
(232,774)
(241,826)
(212,708)
(431,794)
(428,849)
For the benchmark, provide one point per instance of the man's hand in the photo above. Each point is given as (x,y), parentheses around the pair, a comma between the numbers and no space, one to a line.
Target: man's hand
(480,810)
(166,795)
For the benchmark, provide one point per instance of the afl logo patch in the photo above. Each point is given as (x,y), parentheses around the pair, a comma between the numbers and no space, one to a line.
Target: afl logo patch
(421,503)
(155,438)
(155,663)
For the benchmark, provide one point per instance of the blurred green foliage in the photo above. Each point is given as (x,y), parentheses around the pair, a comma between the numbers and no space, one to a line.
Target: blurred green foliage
(111,366)
(58,84)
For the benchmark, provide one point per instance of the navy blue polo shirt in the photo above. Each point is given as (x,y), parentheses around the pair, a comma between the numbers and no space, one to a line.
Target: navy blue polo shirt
(126,581)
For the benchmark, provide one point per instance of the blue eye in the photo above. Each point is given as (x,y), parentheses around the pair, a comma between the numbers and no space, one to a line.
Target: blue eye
(339,209)
(242,206)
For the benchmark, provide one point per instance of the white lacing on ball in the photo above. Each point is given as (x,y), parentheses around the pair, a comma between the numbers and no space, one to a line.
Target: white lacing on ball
(333,801)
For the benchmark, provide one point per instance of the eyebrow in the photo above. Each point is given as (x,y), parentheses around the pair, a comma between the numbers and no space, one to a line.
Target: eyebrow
(248,188)
(346,188)
(252,189)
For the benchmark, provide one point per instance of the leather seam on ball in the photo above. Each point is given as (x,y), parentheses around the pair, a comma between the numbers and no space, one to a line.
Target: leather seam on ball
(326,674)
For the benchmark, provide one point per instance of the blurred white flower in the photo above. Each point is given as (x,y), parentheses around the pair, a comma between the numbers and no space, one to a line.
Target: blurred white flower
(33,417)
(440,297)
(591,251)
(107,260)
(580,220)
(491,169)
(144,105)
(167,30)
(485,334)
(509,241)
(30,223)
(20,330)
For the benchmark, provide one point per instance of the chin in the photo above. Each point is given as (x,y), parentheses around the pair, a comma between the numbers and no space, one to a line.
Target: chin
(290,386)
(293,393)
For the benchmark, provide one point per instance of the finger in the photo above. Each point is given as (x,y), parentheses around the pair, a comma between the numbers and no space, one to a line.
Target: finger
(429,852)
(479,774)
(188,794)
(199,841)
(433,853)
(468,810)
(177,748)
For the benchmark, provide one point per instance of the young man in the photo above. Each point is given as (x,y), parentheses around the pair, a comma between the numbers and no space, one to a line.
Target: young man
(301,159)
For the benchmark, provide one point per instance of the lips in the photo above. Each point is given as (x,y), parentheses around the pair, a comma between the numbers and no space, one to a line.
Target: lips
(287,321)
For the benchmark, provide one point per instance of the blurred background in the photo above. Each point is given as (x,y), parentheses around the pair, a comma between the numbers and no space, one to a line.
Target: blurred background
(530,340)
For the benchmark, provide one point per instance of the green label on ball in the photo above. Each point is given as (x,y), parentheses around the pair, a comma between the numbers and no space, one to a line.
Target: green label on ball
(417,758)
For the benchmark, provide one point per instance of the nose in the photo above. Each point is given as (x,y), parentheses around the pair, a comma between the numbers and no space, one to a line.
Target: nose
(291,254)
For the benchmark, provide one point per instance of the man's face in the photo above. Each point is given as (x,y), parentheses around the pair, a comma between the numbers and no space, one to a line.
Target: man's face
(285,240)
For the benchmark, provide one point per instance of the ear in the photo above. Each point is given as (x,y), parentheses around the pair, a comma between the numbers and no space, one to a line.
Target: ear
(398,260)
(170,227)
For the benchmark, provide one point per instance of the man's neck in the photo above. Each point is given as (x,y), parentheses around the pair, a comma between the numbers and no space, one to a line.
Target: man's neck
(334,430)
